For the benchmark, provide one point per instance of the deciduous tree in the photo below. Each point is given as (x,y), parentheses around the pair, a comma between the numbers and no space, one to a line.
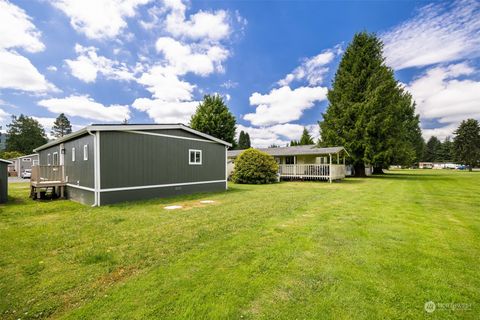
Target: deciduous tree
(25,134)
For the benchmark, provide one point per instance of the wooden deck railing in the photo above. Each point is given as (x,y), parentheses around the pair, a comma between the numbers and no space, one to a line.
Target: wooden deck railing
(47,173)
(312,171)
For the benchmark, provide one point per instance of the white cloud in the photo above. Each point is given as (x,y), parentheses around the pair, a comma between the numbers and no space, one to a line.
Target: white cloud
(52,68)
(312,70)
(47,124)
(196,58)
(213,26)
(17,29)
(280,134)
(17,72)
(440,32)
(442,93)
(283,104)
(4,115)
(99,19)
(85,107)
(165,85)
(229,84)
(162,111)
(89,64)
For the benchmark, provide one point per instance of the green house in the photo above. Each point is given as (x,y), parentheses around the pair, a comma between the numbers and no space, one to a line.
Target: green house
(105,164)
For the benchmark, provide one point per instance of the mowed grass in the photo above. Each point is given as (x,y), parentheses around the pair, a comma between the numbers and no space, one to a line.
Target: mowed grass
(372,248)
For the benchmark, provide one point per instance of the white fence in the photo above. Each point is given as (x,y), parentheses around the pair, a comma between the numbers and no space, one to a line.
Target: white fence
(312,171)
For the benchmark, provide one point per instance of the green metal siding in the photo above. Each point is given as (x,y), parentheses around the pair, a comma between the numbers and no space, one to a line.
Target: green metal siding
(143,194)
(79,195)
(129,159)
(3,182)
(80,172)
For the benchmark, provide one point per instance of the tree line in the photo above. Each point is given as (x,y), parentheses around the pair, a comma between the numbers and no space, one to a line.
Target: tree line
(369,113)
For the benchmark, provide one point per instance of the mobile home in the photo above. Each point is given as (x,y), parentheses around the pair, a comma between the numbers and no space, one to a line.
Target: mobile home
(106,164)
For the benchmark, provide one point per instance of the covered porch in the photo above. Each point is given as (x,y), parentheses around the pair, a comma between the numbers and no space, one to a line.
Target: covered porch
(307,162)
(326,167)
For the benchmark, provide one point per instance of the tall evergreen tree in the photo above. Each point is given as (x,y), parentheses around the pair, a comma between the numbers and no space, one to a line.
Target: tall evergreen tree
(369,113)
(467,143)
(213,117)
(306,138)
(248,144)
(243,140)
(432,150)
(61,126)
(446,152)
(25,134)
(294,143)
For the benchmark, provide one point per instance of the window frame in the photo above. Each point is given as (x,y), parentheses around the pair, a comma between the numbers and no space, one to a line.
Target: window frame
(85,152)
(55,163)
(26,159)
(195,151)
(73,154)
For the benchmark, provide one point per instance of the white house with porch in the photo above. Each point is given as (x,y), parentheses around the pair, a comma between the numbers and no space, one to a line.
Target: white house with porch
(307,162)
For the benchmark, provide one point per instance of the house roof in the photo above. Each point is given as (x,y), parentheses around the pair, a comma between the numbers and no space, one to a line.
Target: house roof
(129,127)
(294,151)
(26,156)
(5,161)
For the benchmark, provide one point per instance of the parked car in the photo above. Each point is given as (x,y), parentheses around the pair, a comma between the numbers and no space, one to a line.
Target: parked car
(26,174)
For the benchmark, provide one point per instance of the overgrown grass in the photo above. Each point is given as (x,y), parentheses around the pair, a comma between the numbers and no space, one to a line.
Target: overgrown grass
(371,248)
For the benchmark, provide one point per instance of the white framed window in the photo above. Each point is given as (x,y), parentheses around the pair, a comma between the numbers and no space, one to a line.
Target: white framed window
(194,156)
(49,159)
(73,154)
(55,158)
(85,152)
(27,159)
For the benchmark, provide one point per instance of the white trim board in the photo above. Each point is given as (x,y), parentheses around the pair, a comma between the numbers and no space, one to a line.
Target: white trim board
(161,186)
(80,187)
(170,136)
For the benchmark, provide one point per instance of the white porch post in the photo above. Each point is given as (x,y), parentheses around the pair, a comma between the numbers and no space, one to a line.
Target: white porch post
(338,158)
(294,165)
(330,169)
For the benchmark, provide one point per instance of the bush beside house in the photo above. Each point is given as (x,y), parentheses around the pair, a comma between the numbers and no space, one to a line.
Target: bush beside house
(255,167)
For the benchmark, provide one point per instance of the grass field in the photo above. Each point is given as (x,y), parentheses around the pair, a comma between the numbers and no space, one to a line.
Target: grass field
(359,249)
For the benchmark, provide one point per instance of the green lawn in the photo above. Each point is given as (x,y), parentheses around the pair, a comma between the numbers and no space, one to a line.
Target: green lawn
(370,248)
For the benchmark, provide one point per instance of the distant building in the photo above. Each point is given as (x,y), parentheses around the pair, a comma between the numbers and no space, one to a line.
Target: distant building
(437,165)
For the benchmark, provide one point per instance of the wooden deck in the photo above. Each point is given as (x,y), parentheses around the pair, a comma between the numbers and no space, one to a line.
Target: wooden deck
(327,172)
(47,181)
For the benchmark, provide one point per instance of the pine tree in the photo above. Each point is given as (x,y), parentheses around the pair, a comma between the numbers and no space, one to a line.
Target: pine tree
(248,144)
(369,113)
(213,117)
(306,138)
(61,126)
(446,152)
(25,134)
(467,143)
(243,143)
(432,150)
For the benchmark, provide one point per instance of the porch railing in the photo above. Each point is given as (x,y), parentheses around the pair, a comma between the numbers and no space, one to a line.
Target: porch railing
(47,173)
(314,171)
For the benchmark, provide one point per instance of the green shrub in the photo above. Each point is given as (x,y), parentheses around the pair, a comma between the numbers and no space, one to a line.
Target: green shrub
(255,167)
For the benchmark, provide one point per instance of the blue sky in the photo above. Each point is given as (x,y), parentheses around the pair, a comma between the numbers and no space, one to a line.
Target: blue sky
(273,61)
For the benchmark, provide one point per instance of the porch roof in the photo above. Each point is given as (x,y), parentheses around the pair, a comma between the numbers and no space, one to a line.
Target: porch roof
(294,151)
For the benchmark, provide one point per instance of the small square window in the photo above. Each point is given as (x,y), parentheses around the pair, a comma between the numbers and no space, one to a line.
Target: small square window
(85,152)
(195,156)
(73,154)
